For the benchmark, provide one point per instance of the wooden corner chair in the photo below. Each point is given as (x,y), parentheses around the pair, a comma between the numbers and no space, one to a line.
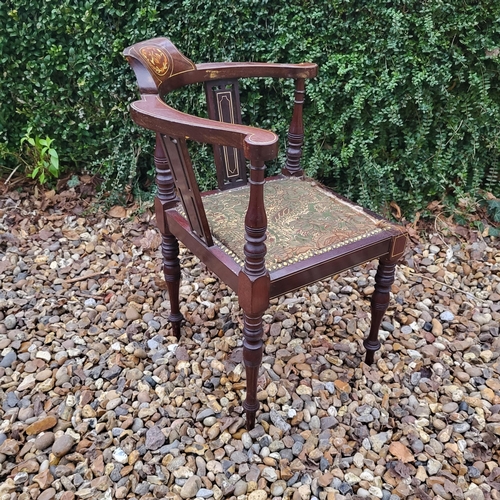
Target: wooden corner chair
(262,237)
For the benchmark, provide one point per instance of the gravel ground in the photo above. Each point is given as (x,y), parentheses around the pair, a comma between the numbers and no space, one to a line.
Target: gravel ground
(99,402)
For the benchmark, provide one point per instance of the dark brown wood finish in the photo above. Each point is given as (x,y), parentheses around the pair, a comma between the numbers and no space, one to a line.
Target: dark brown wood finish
(296,133)
(160,68)
(165,199)
(253,286)
(180,164)
(379,303)
(223,103)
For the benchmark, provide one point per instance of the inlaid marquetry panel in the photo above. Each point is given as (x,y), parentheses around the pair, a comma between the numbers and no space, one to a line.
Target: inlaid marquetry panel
(224,105)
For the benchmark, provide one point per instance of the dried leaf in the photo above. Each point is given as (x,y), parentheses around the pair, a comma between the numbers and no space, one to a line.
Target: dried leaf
(45,234)
(452,488)
(434,205)
(396,210)
(181,353)
(401,452)
(422,495)
(10,239)
(117,211)
(70,234)
(151,239)
(236,355)
(481,452)
(371,374)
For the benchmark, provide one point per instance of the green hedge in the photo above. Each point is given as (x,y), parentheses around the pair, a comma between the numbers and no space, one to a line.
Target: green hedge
(406,107)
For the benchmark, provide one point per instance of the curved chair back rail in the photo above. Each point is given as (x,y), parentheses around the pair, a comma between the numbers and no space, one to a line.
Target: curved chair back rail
(160,67)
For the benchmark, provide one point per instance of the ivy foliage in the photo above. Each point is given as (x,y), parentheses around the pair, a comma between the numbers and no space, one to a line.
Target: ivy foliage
(406,107)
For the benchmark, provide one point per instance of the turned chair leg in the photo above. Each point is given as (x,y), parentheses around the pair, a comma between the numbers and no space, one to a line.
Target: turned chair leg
(252,359)
(380,300)
(172,272)
(166,198)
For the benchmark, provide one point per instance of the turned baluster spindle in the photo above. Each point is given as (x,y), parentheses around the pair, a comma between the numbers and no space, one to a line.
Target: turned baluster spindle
(296,133)
(256,223)
(164,180)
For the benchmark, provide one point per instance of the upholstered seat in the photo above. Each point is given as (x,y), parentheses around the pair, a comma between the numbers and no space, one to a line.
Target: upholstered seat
(262,237)
(303,220)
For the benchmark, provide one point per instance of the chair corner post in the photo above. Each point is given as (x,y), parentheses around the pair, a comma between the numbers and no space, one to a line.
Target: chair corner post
(254,286)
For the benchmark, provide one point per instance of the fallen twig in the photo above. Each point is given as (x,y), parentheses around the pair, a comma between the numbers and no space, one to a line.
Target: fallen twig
(81,278)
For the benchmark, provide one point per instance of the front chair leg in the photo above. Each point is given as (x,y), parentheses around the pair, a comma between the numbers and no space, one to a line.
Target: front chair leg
(172,272)
(380,300)
(252,359)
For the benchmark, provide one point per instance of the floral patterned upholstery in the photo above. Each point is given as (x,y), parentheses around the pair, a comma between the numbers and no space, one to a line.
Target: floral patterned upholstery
(303,219)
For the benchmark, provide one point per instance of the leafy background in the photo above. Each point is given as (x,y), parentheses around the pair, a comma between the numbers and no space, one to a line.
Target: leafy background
(406,107)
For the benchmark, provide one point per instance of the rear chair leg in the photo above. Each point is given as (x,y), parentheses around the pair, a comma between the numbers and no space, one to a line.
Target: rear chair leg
(379,303)
(172,272)
(165,199)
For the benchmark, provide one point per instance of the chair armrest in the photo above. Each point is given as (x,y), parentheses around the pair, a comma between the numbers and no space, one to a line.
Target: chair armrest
(217,71)
(154,114)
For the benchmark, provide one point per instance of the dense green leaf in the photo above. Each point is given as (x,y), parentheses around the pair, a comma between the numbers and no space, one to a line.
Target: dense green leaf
(406,107)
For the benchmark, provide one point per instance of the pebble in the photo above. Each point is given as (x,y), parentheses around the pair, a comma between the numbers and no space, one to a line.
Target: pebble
(41,425)
(154,438)
(10,322)
(120,456)
(48,494)
(62,445)
(8,359)
(44,441)
(100,400)
(258,495)
(447,316)
(191,487)
(433,466)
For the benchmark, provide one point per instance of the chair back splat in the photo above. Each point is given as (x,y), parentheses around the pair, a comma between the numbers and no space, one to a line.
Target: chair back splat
(263,237)
(223,102)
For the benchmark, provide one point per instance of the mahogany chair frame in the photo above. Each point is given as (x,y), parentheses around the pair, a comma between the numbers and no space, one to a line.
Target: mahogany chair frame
(161,68)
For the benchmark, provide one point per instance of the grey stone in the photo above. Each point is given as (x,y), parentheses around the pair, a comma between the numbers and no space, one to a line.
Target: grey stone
(447,316)
(191,487)
(206,412)
(10,322)
(154,438)
(279,421)
(62,445)
(269,474)
(8,359)
(44,441)
(378,440)
(120,456)
(205,493)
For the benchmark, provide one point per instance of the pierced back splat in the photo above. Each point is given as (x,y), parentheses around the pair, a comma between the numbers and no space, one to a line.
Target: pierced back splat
(223,100)
(187,187)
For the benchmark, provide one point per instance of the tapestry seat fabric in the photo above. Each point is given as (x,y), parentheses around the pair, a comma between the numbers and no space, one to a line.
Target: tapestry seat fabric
(303,219)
